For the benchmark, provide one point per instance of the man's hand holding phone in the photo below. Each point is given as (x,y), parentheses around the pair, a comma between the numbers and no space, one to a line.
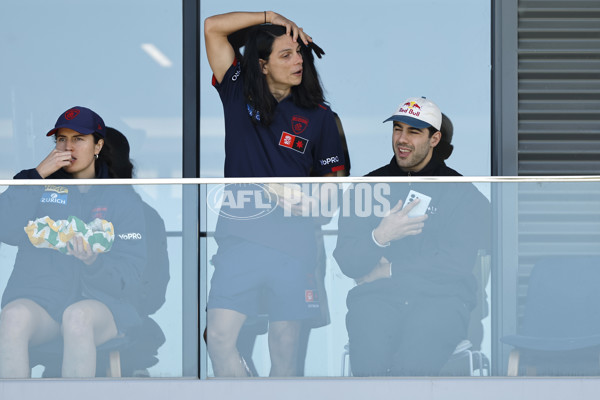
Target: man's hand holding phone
(398,223)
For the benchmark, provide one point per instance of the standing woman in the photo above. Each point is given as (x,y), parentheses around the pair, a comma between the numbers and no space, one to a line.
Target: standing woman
(84,295)
(276,125)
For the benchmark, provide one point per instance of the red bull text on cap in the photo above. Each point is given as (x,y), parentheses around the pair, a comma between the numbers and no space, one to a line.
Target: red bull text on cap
(418,112)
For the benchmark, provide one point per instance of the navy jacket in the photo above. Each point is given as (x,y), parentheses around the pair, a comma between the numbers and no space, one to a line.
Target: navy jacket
(437,262)
(56,280)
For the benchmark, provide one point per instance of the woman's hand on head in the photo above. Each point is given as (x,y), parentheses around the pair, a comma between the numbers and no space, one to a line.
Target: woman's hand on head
(290,27)
(83,251)
(53,162)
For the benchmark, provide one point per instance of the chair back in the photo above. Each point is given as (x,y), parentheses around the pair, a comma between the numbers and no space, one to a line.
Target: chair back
(563,298)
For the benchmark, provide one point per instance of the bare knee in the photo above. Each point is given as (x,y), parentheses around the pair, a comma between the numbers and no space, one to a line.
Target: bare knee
(284,334)
(219,338)
(223,328)
(77,321)
(283,340)
(16,322)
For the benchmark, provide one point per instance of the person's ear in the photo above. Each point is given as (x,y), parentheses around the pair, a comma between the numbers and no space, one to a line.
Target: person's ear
(98,146)
(263,66)
(435,139)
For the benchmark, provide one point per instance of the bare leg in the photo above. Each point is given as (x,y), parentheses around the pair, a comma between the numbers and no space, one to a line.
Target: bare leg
(223,328)
(22,323)
(283,347)
(303,338)
(86,324)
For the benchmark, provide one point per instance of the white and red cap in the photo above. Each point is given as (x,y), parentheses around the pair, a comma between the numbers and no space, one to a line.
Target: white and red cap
(418,112)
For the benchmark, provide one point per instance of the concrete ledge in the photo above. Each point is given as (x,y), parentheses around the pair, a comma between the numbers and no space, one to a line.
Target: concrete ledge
(304,389)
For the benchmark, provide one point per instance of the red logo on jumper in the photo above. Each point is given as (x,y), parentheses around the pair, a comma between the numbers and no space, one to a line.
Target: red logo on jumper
(99,212)
(72,113)
(299,124)
(293,142)
(309,296)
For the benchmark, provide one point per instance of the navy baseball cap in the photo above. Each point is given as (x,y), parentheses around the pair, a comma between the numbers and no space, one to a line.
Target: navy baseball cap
(80,119)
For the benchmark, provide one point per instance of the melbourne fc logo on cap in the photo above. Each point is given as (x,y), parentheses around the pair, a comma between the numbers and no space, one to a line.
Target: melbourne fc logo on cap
(411,108)
(299,124)
(72,113)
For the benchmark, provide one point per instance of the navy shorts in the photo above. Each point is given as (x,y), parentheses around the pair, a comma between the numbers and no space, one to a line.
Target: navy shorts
(254,279)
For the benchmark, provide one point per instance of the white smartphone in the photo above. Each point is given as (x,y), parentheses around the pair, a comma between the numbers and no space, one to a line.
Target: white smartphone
(419,209)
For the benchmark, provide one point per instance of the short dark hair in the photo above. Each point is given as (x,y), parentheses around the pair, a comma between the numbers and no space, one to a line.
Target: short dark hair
(444,148)
(258,46)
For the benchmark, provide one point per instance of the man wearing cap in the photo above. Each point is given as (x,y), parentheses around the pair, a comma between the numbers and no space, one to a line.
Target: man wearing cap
(415,287)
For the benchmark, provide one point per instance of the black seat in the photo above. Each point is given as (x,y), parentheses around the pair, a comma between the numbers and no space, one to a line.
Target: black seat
(108,355)
(560,330)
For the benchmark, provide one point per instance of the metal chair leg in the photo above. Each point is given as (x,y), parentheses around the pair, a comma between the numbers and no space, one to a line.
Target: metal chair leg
(513,363)
(114,364)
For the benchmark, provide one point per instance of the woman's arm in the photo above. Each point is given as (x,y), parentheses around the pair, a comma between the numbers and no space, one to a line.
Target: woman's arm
(219,51)
(18,205)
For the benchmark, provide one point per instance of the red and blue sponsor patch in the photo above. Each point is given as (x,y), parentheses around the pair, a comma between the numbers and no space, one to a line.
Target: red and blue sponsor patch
(294,142)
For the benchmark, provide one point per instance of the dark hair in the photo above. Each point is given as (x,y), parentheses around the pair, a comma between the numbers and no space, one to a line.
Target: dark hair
(338,122)
(259,45)
(431,130)
(444,148)
(346,170)
(121,166)
(105,155)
